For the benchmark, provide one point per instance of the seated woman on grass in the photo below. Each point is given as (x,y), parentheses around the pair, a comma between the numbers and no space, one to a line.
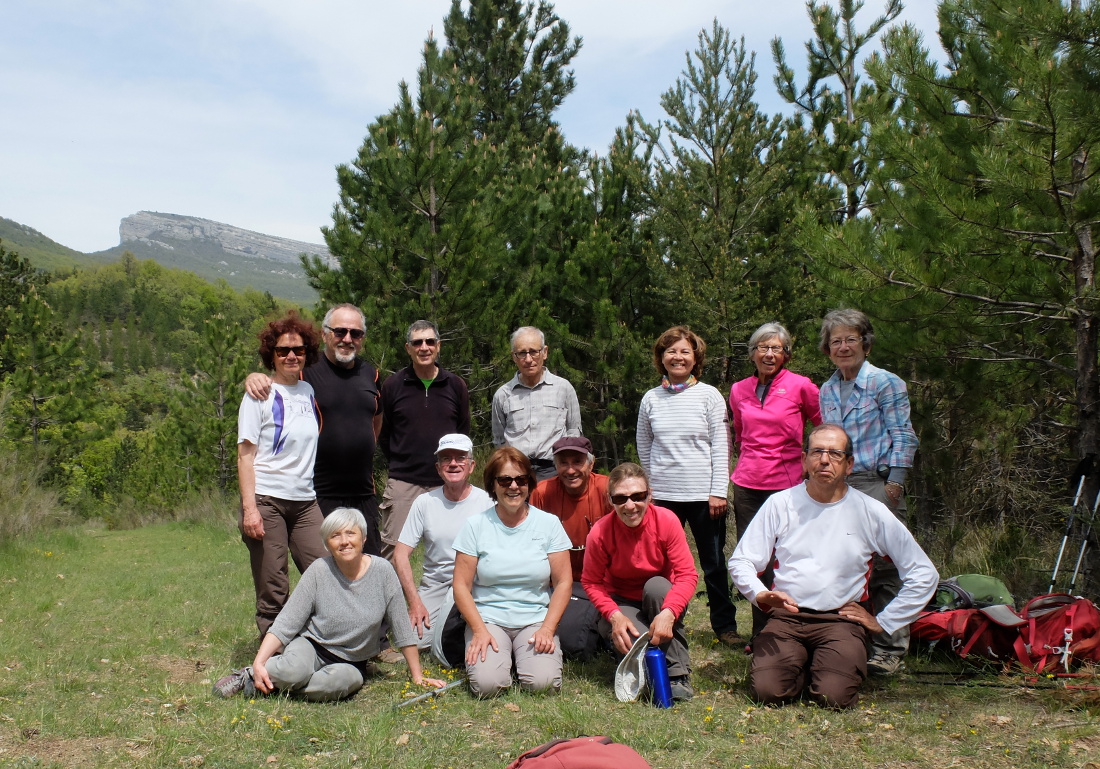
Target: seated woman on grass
(319,645)
(512,580)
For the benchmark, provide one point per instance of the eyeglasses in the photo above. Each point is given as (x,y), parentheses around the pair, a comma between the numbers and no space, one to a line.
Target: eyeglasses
(341,332)
(766,348)
(521,354)
(430,341)
(621,499)
(506,481)
(445,461)
(835,455)
(299,351)
(851,341)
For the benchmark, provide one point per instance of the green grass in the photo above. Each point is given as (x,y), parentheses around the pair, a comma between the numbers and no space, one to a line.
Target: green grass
(110,640)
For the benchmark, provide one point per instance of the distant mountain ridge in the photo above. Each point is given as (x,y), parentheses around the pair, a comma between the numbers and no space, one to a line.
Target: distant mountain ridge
(212,250)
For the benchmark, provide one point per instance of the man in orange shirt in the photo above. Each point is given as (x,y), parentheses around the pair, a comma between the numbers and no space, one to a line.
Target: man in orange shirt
(579,498)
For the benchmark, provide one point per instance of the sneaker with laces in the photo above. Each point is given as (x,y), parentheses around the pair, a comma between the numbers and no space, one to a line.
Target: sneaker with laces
(236,682)
(882,664)
(681,688)
(391,656)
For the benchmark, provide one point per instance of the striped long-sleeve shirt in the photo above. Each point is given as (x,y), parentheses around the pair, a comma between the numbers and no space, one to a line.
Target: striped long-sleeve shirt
(683,443)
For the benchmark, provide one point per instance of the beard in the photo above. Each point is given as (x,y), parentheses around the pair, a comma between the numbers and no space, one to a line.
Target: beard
(343,356)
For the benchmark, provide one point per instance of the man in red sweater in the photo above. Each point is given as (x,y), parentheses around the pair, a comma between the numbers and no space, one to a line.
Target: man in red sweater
(640,574)
(578,497)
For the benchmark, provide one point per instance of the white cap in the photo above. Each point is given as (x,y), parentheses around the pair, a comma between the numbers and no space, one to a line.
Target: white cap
(456,441)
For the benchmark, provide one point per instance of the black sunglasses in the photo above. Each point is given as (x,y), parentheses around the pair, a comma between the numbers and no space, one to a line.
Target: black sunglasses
(506,481)
(340,333)
(431,341)
(620,499)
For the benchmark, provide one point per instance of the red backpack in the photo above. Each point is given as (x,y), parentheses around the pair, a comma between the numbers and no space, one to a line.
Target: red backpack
(580,753)
(1059,630)
(989,632)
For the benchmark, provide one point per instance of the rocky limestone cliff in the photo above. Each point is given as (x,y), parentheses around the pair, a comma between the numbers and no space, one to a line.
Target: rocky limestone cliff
(169,230)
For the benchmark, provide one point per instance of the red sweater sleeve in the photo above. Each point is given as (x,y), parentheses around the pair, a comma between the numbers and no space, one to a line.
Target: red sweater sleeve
(597,558)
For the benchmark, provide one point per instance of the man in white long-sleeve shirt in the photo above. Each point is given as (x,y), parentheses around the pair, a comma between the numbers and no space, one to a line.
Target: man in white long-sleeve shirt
(821,537)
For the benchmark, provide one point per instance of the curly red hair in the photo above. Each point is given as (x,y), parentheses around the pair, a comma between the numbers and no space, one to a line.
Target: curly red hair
(291,323)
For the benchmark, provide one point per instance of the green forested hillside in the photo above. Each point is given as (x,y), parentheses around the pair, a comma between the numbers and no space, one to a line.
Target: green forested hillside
(39,250)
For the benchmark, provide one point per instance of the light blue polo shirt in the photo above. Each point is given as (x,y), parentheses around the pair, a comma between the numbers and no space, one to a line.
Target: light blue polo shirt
(512,584)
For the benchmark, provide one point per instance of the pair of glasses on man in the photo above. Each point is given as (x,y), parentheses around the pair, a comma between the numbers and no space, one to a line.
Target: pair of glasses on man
(621,499)
(341,332)
(835,455)
(430,341)
(506,481)
(298,351)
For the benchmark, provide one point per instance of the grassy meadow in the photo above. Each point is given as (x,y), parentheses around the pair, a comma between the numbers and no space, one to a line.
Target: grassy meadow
(110,641)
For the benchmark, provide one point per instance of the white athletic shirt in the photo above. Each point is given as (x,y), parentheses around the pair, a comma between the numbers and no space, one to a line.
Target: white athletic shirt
(822,554)
(435,521)
(284,429)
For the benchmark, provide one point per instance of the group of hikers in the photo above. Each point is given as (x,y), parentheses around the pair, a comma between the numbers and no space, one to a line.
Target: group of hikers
(550,560)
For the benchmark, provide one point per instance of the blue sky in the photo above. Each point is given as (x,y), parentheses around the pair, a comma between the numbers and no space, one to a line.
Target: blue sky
(239,110)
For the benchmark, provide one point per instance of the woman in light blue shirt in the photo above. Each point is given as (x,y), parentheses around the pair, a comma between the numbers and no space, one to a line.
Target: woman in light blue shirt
(512,582)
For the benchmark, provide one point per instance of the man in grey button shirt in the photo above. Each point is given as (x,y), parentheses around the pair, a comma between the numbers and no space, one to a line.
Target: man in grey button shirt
(536,407)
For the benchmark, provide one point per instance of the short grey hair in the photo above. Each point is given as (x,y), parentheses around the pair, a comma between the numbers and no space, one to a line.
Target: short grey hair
(523,331)
(591,459)
(767,331)
(327,322)
(342,518)
(420,325)
(851,319)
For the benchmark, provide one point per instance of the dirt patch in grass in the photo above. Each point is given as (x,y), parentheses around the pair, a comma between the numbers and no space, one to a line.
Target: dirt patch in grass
(72,752)
(181,671)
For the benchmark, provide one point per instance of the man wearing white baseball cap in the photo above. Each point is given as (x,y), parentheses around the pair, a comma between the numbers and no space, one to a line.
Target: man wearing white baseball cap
(435,519)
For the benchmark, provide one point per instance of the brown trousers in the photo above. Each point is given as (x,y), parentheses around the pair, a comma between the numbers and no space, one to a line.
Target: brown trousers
(288,526)
(829,650)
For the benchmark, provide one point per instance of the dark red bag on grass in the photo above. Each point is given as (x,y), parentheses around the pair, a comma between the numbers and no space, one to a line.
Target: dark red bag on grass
(990,632)
(581,753)
(1059,630)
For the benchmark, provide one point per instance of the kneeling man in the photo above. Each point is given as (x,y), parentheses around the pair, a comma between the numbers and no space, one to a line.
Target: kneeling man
(435,519)
(821,537)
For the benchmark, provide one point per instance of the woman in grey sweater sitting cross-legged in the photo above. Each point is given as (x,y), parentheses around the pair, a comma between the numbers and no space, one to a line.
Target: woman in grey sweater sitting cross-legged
(319,645)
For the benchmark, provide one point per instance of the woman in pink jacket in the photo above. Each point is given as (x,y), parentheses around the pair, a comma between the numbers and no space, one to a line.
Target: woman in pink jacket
(770,411)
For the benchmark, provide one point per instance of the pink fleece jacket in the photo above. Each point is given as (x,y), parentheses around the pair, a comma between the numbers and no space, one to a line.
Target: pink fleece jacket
(768,436)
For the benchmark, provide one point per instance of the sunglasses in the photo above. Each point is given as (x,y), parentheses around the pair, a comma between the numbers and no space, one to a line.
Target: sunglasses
(506,481)
(431,341)
(298,351)
(340,333)
(621,499)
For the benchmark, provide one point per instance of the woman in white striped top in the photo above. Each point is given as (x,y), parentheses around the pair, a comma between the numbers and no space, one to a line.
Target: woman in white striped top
(683,444)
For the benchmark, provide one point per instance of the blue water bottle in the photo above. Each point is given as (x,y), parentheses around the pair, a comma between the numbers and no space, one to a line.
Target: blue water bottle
(656,668)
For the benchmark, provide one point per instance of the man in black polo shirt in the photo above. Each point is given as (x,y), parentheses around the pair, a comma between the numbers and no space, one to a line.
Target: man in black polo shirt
(420,404)
(347,393)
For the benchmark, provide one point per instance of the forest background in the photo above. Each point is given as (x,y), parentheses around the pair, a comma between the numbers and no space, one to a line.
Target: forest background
(953,198)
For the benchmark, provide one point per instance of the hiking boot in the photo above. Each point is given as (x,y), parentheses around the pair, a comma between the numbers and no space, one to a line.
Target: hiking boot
(681,688)
(883,664)
(731,638)
(236,682)
(391,656)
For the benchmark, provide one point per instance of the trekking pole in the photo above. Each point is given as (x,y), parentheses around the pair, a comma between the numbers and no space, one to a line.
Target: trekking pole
(429,695)
(1065,537)
(1084,544)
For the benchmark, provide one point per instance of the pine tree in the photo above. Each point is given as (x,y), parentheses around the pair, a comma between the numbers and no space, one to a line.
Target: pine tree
(727,181)
(833,98)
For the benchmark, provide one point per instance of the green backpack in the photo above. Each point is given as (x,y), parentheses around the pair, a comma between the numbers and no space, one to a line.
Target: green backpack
(970,591)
